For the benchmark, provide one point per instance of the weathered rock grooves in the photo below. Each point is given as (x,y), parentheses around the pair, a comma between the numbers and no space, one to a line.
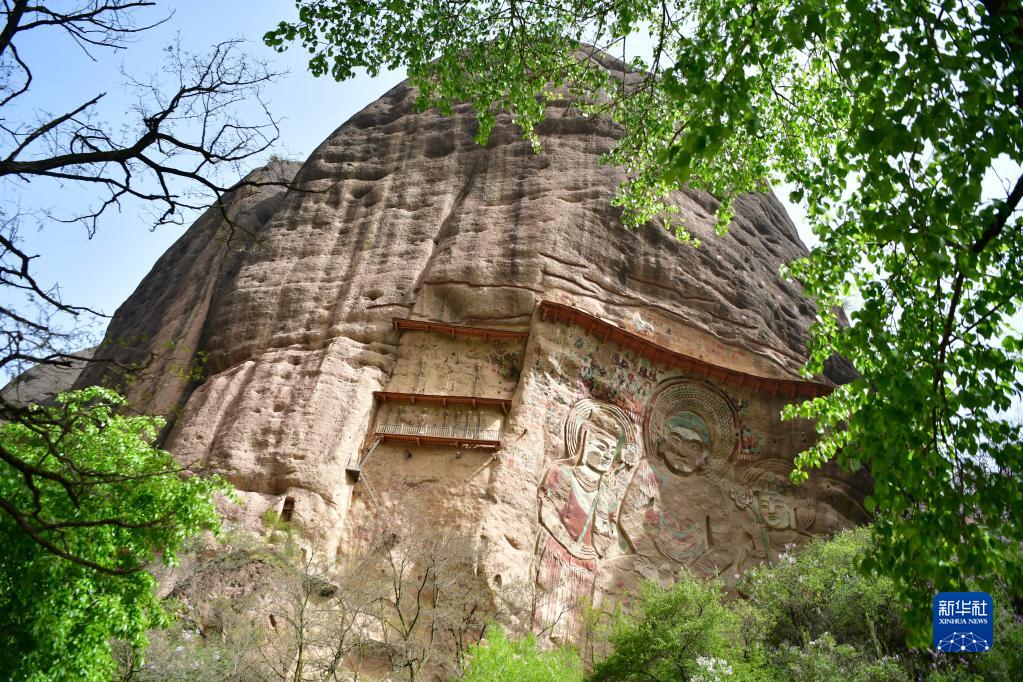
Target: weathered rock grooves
(400,214)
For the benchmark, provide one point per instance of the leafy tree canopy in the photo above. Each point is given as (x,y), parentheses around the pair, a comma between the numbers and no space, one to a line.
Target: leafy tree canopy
(88,502)
(501,659)
(894,122)
(675,634)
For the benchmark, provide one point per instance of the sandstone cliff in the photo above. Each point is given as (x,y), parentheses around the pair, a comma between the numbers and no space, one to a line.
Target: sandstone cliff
(42,383)
(605,449)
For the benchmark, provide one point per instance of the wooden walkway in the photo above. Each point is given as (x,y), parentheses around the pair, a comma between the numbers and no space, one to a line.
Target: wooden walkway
(454,330)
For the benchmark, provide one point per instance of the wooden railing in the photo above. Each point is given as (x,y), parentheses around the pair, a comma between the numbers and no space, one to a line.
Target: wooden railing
(453,432)
(458,436)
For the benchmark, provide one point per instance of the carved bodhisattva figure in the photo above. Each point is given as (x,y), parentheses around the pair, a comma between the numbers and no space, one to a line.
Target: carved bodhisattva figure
(674,513)
(579,501)
(779,513)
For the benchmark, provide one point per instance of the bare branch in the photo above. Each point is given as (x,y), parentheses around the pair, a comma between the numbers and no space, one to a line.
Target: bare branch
(180,148)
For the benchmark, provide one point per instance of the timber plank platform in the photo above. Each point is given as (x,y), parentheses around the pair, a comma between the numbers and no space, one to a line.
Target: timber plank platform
(445,400)
(458,330)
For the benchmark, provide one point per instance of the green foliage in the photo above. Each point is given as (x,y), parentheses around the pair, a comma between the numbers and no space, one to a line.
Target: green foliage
(812,617)
(277,528)
(444,52)
(1006,661)
(819,591)
(822,659)
(675,633)
(818,618)
(195,371)
(89,502)
(500,659)
(892,121)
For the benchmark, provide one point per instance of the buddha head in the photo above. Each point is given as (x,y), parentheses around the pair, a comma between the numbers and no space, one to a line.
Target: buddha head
(600,448)
(599,435)
(776,510)
(690,428)
(776,501)
(685,443)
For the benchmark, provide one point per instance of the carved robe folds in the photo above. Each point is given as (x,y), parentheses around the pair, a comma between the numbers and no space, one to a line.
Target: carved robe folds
(579,501)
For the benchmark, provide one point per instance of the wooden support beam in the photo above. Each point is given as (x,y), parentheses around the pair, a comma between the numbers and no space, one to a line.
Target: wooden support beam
(439,440)
(443,400)
(364,459)
(485,333)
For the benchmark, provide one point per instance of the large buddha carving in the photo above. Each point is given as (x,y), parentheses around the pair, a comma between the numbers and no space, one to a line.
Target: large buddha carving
(612,513)
(674,513)
(779,513)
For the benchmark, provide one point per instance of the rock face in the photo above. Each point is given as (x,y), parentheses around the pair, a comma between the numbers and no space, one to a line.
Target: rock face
(42,383)
(595,403)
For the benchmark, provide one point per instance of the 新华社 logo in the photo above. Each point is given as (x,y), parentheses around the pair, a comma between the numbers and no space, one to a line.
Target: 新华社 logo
(964,622)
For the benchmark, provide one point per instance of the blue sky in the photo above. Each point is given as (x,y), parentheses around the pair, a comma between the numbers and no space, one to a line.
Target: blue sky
(101,272)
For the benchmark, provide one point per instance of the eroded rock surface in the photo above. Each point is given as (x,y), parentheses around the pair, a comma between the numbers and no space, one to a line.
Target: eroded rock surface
(611,465)
(42,383)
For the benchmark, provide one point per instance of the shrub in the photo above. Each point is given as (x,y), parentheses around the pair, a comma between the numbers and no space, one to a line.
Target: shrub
(812,617)
(501,659)
(824,660)
(821,591)
(672,634)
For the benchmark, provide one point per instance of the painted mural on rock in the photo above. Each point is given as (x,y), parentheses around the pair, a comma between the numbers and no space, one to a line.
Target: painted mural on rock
(579,502)
(656,472)
(674,514)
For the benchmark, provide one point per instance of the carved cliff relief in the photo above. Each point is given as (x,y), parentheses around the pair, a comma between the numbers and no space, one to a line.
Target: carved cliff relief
(838,505)
(579,501)
(674,513)
(779,513)
(704,488)
(620,379)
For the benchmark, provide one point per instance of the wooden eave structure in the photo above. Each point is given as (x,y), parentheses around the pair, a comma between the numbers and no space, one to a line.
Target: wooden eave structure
(783,388)
(454,330)
(445,400)
(438,440)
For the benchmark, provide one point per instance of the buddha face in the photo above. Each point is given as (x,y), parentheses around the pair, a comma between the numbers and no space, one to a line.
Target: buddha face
(776,510)
(599,449)
(684,444)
